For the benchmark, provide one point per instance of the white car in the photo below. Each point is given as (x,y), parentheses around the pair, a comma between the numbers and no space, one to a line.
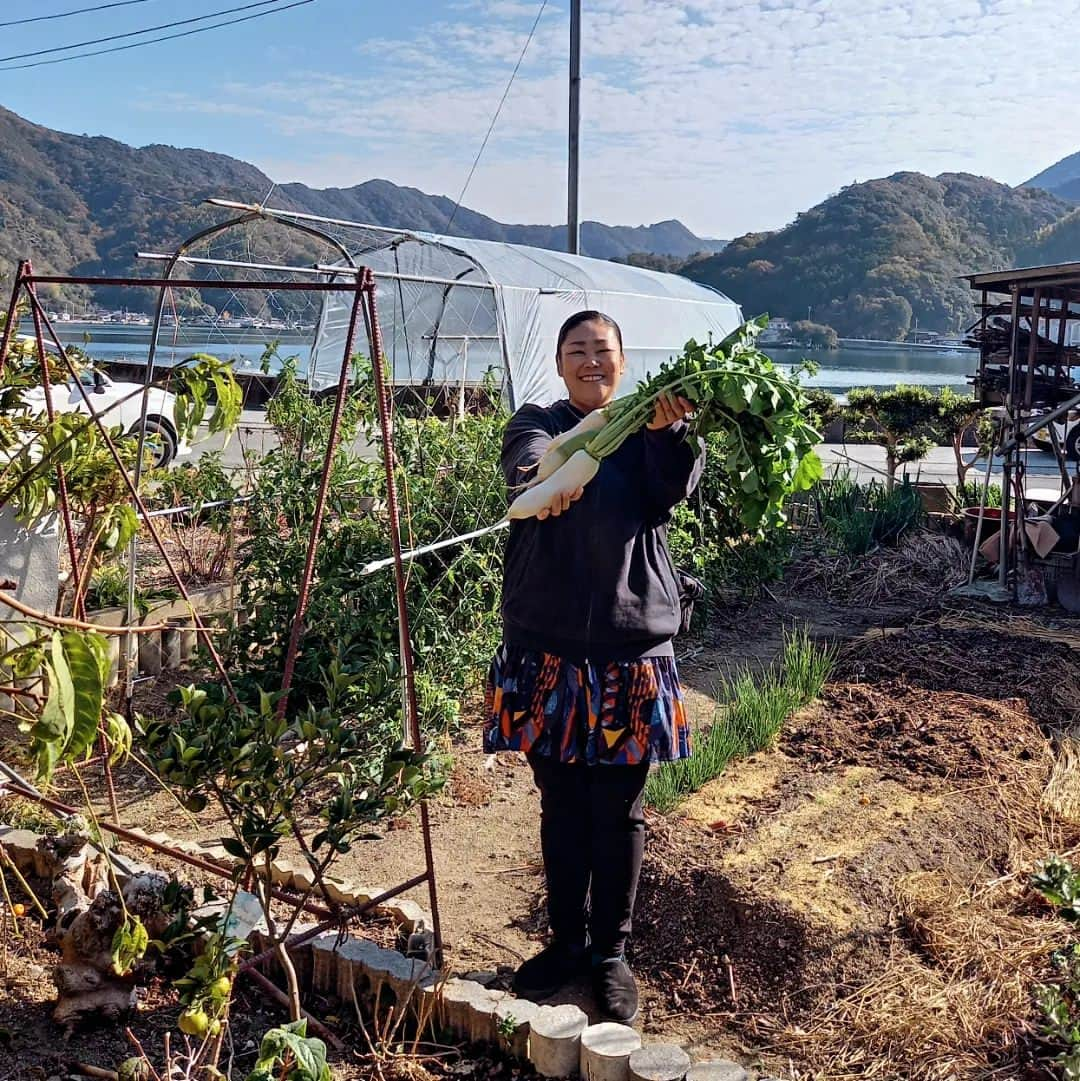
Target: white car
(1068,433)
(119,404)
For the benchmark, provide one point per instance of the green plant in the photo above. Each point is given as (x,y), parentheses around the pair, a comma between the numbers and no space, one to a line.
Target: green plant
(261,768)
(757,414)
(971,494)
(288,1053)
(959,415)
(858,518)
(753,710)
(904,419)
(1059,883)
(506,1026)
(1059,1003)
(449,482)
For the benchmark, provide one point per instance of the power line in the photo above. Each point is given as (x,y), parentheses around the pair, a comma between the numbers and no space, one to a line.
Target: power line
(491,126)
(136,33)
(66,14)
(152,41)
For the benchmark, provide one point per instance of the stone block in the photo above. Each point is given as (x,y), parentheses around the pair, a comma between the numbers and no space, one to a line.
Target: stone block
(408,914)
(339,890)
(354,957)
(324,975)
(481,1017)
(281,873)
(605,1051)
(513,1019)
(719,1070)
(21,847)
(455,999)
(661,1062)
(555,1040)
(302,879)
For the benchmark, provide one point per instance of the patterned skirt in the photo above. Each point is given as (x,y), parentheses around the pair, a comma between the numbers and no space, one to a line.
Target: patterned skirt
(622,713)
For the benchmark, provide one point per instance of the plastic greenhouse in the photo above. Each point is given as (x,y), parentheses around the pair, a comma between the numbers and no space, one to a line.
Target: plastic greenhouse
(454,310)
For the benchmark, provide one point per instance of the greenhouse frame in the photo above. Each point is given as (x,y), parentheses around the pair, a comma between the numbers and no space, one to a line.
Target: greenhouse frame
(458,311)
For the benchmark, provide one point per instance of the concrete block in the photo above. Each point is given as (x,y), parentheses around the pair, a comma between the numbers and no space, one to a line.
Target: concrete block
(151,654)
(720,1070)
(339,890)
(555,1040)
(455,1000)
(409,915)
(302,879)
(661,1062)
(605,1051)
(281,873)
(481,1017)
(362,894)
(324,962)
(353,957)
(21,846)
(513,1020)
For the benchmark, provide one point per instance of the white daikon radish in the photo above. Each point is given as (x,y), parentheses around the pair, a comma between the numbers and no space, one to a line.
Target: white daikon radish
(564,446)
(575,473)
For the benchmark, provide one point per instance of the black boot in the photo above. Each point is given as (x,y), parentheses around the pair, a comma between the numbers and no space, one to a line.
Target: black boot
(551,969)
(615,990)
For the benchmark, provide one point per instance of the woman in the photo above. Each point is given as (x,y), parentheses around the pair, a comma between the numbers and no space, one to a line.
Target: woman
(585,681)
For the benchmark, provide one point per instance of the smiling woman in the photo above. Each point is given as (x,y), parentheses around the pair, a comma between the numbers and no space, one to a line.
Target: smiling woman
(585,681)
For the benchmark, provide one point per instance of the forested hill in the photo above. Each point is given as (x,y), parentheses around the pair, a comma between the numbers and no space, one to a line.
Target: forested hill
(1062,178)
(87,203)
(874,257)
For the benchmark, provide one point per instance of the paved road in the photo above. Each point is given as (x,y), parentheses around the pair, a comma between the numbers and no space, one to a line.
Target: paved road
(865,461)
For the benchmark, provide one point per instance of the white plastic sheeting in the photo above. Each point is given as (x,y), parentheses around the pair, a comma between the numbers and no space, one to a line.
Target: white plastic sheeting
(454,310)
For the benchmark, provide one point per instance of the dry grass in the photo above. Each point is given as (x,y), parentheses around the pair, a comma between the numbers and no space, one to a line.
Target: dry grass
(954,1001)
(960,1007)
(921,568)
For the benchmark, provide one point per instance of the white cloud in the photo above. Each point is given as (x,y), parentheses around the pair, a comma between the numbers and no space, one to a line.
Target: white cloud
(729,114)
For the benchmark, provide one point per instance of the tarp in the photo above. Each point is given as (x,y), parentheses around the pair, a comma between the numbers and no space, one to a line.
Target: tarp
(453,309)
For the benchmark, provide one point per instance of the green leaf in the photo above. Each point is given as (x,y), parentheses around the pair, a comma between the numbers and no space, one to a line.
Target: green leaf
(128,945)
(87,658)
(53,729)
(810,471)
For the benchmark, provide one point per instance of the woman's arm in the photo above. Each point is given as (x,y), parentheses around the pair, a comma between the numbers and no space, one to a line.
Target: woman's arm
(525,439)
(527,436)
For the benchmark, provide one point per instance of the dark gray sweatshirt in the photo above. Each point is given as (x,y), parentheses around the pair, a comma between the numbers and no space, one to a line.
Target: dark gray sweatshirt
(597,582)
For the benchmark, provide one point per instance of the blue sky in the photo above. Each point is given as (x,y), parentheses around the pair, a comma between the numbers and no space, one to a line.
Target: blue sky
(732,115)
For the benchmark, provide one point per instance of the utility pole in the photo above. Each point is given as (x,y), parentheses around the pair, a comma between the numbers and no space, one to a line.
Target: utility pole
(573,225)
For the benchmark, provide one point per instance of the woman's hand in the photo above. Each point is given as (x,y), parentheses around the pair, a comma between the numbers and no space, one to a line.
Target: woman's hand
(669,409)
(561,502)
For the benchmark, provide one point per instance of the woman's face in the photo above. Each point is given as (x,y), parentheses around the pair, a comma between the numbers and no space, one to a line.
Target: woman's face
(591,364)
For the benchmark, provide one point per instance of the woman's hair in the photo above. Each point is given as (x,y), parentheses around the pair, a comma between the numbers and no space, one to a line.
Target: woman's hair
(589,316)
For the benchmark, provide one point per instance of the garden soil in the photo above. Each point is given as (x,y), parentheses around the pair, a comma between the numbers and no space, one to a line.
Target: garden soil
(775,891)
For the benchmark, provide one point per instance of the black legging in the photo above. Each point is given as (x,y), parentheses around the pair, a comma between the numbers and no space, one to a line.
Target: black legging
(592,834)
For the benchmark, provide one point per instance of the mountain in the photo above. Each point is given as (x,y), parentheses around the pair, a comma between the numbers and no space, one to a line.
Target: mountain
(1062,178)
(1058,242)
(85,204)
(878,255)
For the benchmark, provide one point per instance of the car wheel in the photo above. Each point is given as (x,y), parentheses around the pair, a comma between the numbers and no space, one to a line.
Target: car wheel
(1072,442)
(160,441)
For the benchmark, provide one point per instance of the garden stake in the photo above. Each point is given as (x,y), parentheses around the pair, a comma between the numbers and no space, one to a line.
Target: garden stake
(13,310)
(362,284)
(371,320)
